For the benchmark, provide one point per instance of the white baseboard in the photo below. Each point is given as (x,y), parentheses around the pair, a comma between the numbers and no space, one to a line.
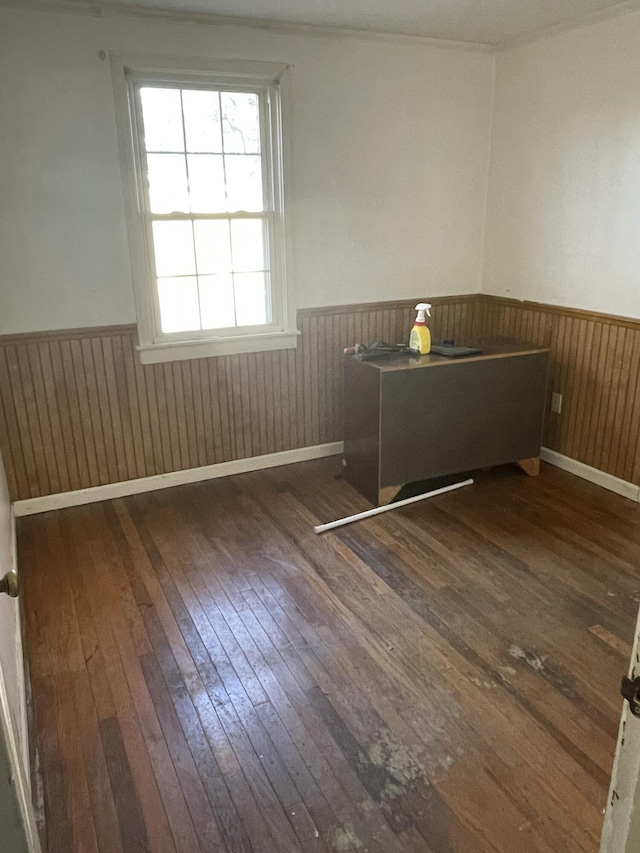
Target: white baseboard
(594,475)
(31,506)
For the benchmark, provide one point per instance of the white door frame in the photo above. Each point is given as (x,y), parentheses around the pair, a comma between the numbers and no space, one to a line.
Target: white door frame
(621,830)
(13,721)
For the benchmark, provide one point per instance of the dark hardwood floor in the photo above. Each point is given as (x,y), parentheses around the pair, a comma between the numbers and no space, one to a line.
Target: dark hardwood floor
(210,675)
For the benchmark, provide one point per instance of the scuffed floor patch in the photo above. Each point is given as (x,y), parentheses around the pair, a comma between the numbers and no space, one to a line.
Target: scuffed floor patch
(397,759)
(345,839)
(534,661)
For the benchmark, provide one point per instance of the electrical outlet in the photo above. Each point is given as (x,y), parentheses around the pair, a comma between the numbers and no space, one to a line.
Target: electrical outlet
(556,403)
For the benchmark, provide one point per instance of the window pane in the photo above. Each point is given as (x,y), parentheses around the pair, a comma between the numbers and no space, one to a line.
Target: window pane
(167,177)
(244,183)
(247,245)
(202,120)
(162,118)
(251,298)
(240,122)
(213,246)
(216,301)
(206,183)
(179,311)
(173,247)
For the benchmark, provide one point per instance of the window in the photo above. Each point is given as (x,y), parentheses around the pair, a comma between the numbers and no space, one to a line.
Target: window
(203,167)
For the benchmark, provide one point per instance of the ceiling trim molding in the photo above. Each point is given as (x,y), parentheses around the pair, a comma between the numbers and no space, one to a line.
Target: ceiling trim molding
(616,11)
(107,10)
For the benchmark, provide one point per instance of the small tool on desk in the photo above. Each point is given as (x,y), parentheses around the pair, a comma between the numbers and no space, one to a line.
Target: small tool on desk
(450,350)
(379,349)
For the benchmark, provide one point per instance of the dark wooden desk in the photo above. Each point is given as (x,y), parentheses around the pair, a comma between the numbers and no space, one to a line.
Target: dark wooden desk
(409,419)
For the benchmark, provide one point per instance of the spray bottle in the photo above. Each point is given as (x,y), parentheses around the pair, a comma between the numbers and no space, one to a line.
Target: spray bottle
(420,338)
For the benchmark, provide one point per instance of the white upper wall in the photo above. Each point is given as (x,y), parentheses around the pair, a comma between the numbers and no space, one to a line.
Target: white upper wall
(390,146)
(563,222)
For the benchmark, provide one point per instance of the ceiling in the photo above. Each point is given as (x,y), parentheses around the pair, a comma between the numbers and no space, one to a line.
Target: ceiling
(492,22)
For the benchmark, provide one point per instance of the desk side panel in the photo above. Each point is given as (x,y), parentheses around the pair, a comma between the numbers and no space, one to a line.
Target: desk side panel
(460,417)
(361,427)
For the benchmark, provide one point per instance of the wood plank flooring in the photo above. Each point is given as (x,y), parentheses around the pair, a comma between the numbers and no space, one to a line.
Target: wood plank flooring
(209,675)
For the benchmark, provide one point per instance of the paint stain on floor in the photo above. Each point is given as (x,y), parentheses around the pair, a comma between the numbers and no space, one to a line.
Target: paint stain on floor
(344,839)
(488,685)
(400,761)
(534,661)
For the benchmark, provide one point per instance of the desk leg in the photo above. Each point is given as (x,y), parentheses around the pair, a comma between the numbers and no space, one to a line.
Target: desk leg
(530,466)
(387,493)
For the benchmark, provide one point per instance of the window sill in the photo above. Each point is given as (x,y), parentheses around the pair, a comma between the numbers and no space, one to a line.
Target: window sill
(184,350)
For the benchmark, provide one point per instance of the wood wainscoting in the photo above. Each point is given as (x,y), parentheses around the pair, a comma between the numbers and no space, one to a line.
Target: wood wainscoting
(78,409)
(595,365)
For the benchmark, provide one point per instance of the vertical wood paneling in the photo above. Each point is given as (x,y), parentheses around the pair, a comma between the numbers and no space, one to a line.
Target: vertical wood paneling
(12,448)
(568,376)
(626,449)
(608,432)
(633,448)
(78,409)
(595,365)
(572,419)
(44,420)
(146,381)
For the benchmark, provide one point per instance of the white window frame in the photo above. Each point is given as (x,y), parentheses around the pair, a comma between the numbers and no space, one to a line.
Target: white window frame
(271,82)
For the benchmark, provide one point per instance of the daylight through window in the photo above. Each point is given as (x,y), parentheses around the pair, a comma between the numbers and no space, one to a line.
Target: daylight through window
(203,170)
(207,207)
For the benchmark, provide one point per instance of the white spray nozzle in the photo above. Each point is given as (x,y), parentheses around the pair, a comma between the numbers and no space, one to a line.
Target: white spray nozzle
(423,308)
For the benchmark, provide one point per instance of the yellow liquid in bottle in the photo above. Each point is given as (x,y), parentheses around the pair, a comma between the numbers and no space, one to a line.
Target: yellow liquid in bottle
(420,340)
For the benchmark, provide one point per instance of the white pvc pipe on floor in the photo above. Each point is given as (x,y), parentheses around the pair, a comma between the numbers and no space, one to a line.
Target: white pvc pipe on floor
(322,528)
